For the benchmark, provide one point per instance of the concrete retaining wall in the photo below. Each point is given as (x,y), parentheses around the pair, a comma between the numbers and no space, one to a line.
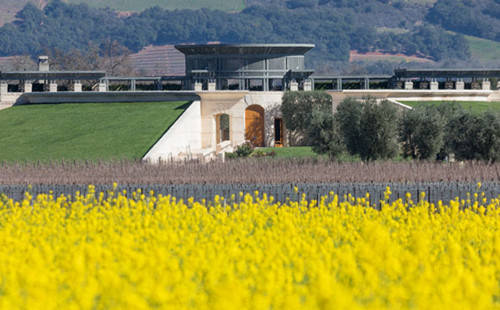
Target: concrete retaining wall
(91,97)
(418,95)
(182,139)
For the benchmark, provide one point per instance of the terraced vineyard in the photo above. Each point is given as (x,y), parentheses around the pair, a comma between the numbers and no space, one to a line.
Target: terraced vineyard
(283,179)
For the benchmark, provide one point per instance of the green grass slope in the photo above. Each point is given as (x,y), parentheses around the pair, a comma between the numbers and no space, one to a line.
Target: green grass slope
(484,50)
(92,131)
(473,106)
(135,5)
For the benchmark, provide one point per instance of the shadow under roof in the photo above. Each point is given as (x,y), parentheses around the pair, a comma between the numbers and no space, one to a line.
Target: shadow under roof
(245,49)
(454,73)
(52,75)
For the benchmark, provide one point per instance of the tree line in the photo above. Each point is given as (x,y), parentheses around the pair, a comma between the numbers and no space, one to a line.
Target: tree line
(334,30)
(479,18)
(376,130)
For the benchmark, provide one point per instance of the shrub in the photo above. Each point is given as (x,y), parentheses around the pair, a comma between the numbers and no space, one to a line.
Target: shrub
(243,150)
(421,132)
(324,134)
(378,130)
(261,153)
(368,128)
(297,108)
(348,117)
(475,136)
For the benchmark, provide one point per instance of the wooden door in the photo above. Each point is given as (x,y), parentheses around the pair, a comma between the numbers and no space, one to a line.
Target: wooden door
(254,125)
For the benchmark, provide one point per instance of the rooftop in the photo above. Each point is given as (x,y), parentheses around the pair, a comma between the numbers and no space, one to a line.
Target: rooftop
(245,49)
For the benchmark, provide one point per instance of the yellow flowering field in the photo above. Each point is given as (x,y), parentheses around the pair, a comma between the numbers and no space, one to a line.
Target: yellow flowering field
(154,252)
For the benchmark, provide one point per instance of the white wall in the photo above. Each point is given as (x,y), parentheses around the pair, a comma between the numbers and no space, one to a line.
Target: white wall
(182,139)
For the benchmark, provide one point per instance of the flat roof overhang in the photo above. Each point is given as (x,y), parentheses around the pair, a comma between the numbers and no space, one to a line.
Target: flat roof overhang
(350,77)
(244,49)
(447,73)
(131,78)
(52,75)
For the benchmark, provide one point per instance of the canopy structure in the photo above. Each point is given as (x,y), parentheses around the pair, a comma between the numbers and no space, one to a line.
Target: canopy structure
(245,66)
(245,49)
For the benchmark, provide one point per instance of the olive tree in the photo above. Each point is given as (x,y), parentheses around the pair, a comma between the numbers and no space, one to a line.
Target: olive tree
(421,132)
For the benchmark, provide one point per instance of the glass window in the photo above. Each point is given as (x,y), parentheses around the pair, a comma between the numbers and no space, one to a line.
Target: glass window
(276,63)
(295,63)
(232,64)
(256,64)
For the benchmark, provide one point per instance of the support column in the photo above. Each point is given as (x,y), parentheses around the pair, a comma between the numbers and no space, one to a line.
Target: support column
(408,85)
(101,87)
(77,86)
(28,87)
(486,85)
(498,85)
(339,84)
(198,86)
(367,83)
(434,85)
(53,87)
(460,85)
(4,88)
(211,85)
(133,85)
(308,85)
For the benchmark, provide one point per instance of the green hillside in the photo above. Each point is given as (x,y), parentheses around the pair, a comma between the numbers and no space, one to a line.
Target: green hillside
(134,5)
(99,131)
(484,50)
(11,7)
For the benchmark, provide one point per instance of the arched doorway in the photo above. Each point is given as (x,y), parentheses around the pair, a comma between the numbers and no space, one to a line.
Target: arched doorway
(254,125)
(223,128)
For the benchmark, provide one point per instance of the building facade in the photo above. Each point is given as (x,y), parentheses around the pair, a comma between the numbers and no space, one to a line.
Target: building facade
(254,67)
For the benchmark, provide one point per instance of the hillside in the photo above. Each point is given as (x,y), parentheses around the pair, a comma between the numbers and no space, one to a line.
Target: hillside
(98,131)
(134,5)
(11,7)
(486,51)
(419,29)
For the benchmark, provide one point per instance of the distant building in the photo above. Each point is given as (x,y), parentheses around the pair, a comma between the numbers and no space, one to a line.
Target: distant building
(245,66)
